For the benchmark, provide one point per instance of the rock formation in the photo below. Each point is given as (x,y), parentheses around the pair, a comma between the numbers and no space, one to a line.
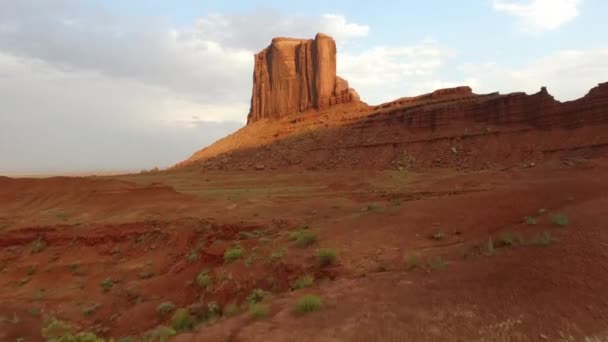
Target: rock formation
(294,75)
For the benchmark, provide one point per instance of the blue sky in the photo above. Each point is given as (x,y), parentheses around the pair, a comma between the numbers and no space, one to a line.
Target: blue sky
(123,85)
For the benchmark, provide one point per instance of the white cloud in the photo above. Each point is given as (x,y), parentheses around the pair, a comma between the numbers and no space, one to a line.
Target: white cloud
(568,74)
(540,15)
(383,73)
(338,27)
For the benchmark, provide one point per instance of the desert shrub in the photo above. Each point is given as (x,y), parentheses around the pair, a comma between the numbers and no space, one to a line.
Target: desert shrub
(412,261)
(326,256)
(165,308)
(55,329)
(203,279)
(489,248)
(507,239)
(374,207)
(192,256)
(182,320)
(159,334)
(257,296)
(439,236)
(560,220)
(258,311)
(277,256)
(231,310)
(529,220)
(544,239)
(38,246)
(303,282)
(437,263)
(307,304)
(303,238)
(106,284)
(34,311)
(233,254)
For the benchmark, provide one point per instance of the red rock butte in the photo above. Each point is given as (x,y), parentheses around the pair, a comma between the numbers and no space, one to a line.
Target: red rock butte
(295,75)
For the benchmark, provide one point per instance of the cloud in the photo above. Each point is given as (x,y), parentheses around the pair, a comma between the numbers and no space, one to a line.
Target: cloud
(568,74)
(385,73)
(540,15)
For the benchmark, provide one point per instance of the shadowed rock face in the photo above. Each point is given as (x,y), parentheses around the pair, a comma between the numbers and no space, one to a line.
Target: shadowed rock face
(294,75)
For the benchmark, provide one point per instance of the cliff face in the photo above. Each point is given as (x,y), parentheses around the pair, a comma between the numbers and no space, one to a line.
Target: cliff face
(294,75)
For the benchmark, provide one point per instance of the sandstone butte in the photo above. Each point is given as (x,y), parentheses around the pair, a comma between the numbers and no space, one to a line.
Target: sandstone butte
(295,75)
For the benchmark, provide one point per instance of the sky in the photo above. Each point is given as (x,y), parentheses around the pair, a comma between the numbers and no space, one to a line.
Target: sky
(115,85)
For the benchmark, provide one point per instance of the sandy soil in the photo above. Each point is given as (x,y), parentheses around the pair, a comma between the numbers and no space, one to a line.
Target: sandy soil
(440,255)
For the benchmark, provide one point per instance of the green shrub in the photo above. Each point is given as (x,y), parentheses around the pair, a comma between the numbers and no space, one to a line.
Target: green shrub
(233,254)
(258,311)
(308,303)
(165,308)
(182,320)
(203,279)
(303,282)
(543,239)
(529,220)
(326,256)
(257,296)
(412,261)
(506,239)
(55,329)
(560,220)
(231,310)
(34,311)
(159,334)
(437,263)
(277,256)
(303,238)
(106,284)
(192,256)
(38,246)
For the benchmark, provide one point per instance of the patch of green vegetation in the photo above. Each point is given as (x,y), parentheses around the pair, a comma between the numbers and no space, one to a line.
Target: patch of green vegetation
(560,220)
(90,310)
(326,256)
(55,329)
(489,247)
(34,311)
(531,221)
(437,263)
(31,270)
(257,296)
(303,238)
(373,208)
(544,239)
(307,304)
(126,339)
(303,282)
(106,284)
(203,279)
(165,308)
(146,274)
(182,320)
(213,311)
(159,334)
(258,311)
(439,236)
(507,239)
(412,261)
(277,256)
(193,255)
(38,246)
(231,310)
(233,254)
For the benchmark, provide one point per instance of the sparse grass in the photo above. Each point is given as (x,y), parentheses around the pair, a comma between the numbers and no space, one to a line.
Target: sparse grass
(126,339)
(560,220)
(193,255)
(90,310)
(165,308)
(506,239)
(38,246)
(530,221)
(373,208)
(437,263)
(544,239)
(231,310)
(55,329)
(307,304)
(303,282)
(159,334)
(106,284)
(233,254)
(326,256)
(258,311)
(412,261)
(34,311)
(439,236)
(257,296)
(182,320)
(303,238)
(277,256)
(203,279)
